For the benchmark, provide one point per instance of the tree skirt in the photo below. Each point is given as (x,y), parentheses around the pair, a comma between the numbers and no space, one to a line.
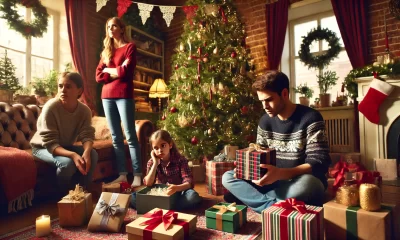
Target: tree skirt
(249,231)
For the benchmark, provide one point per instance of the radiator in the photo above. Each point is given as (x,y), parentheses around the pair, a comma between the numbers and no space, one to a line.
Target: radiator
(340,133)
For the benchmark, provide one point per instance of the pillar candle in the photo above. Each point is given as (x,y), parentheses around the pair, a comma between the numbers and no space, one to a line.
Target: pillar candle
(43,227)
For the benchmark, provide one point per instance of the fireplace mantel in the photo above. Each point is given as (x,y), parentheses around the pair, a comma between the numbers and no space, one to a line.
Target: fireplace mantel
(373,137)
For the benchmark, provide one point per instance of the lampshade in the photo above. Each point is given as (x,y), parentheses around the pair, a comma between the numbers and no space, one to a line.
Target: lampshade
(158,89)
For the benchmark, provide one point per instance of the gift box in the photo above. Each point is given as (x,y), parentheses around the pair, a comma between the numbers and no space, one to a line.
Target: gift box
(230,152)
(342,222)
(248,161)
(214,172)
(109,212)
(111,187)
(162,224)
(292,219)
(226,217)
(146,202)
(387,168)
(198,171)
(75,209)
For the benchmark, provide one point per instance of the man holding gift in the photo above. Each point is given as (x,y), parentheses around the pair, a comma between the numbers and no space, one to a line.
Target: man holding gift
(297,133)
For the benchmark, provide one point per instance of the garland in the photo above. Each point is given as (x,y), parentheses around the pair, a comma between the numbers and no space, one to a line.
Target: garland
(323,60)
(34,29)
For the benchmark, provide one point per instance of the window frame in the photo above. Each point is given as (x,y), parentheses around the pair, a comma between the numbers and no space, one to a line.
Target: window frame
(28,48)
(292,54)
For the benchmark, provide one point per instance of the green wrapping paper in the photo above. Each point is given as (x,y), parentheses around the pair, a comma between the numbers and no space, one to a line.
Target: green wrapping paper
(226,217)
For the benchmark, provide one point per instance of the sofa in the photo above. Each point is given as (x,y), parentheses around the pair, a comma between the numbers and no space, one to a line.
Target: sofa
(18,125)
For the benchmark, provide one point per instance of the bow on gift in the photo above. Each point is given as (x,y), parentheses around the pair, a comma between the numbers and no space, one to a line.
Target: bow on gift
(339,171)
(158,217)
(75,195)
(293,204)
(368,177)
(108,209)
(222,209)
(256,147)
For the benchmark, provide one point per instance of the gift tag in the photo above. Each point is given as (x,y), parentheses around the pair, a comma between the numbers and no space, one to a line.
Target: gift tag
(387,168)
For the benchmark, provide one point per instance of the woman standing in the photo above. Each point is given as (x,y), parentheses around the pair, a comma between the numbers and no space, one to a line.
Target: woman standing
(116,71)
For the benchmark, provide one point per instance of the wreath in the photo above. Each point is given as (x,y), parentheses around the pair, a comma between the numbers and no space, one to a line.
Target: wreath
(36,28)
(320,61)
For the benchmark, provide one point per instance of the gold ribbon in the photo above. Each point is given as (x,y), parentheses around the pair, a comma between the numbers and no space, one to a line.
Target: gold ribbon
(75,195)
(252,147)
(222,209)
(255,147)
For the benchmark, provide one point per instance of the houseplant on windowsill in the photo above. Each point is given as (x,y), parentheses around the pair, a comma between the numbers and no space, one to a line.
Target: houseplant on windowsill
(46,87)
(325,82)
(306,94)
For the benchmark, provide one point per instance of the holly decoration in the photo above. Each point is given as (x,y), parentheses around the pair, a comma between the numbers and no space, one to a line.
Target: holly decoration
(36,28)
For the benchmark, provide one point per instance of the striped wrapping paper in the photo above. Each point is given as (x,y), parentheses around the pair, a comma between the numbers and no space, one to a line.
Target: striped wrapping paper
(248,162)
(214,172)
(283,224)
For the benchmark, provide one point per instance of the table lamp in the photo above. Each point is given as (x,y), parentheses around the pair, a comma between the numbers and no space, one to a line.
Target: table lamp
(158,90)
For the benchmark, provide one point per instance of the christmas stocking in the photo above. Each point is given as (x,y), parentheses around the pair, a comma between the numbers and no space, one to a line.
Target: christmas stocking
(377,93)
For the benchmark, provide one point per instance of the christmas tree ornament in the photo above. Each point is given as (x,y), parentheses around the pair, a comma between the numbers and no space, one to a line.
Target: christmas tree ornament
(190,12)
(181,47)
(244,110)
(233,54)
(233,100)
(194,140)
(182,121)
(144,11)
(220,87)
(163,117)
(215,51)
(210,131)
(194,121)
(216,119)
(205,59)
(176,66)
(173,110)
(168,13)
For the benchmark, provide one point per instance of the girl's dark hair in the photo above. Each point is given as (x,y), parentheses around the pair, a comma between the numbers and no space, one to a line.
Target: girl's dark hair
(273,80)
(163,135)
(74,77)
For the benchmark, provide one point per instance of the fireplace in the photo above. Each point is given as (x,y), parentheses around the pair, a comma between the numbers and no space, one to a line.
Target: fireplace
(380,140)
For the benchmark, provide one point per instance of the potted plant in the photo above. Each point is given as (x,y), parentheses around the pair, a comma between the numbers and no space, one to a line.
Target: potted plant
(9,82)
(325,82)
(46,87)
(306,94)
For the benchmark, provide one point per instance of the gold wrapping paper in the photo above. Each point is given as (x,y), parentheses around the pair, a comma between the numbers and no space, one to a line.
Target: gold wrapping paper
(348,195)
(222,209)
(75,213)
(114,222)
(370,197)
(174,232)
(111,187)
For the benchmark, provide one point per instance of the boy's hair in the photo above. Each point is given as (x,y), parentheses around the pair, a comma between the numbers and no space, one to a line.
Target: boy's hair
(74,77)
(165,136)
(273,80)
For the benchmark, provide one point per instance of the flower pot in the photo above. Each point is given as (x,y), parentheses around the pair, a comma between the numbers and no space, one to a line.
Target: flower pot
(325,100)
(304,101)
(6,96)
(25,99)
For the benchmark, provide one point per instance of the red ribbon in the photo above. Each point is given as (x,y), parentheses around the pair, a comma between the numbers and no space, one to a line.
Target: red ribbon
(125,187)
(368,177)
(157,217)
(221,11)
(340,169)
(199,60)
(190,12)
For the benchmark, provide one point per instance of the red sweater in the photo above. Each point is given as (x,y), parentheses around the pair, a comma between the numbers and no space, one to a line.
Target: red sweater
(121,87)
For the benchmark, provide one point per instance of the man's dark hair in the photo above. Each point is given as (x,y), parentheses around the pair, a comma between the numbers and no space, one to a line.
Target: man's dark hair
(273,80)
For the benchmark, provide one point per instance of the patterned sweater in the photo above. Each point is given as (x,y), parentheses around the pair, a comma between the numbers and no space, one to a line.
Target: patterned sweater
(297,140)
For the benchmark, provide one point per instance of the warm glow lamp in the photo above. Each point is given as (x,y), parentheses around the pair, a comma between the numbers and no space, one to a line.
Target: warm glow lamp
(159,90)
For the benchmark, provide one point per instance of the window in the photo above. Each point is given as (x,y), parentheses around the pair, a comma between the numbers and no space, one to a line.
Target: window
(300,74)
(33,57)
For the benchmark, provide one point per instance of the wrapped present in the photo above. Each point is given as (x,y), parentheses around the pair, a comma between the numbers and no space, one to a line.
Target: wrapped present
(249,159)
(226,217)
(111,187)
(341,169)
(292,219)
(146,202)
(342,222)
(162,224)
(109,213)
(198,171)
(230,152)
(214,172)
(387,168)
(75,209)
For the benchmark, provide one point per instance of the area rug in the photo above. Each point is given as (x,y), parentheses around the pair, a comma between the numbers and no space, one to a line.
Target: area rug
(250,231)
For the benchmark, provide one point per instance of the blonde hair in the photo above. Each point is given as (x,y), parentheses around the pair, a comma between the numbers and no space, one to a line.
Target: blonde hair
(165,136)
(108,42)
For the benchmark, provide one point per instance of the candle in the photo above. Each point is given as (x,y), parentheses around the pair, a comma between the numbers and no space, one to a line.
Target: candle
(43,227)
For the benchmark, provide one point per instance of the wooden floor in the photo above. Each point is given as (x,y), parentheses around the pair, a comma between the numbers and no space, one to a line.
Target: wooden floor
(27,217)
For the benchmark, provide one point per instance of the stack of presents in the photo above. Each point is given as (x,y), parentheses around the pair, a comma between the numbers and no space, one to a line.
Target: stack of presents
(355,213)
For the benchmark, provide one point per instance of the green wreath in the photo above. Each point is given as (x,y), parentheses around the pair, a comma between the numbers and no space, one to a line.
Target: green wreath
(323,60)
(34,29)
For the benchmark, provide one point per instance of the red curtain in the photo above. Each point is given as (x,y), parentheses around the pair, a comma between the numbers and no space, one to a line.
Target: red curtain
(351,16)
(77,23)
(276,15)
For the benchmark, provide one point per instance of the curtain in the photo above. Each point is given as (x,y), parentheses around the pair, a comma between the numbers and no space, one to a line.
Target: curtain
(77,23)
(276,15)
(351,16)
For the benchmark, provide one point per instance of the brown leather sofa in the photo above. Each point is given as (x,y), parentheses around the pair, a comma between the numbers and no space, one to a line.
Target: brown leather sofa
(18,125)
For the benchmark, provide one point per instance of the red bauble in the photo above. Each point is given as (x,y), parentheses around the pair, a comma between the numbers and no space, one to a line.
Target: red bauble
(194,140)
(244,110)
(163,117)
(176,67)
(173,109)
(233,54)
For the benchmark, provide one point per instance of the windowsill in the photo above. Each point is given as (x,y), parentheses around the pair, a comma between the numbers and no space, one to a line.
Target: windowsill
(335,108)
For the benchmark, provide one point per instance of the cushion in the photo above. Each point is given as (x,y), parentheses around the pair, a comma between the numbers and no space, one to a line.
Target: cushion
(101,126)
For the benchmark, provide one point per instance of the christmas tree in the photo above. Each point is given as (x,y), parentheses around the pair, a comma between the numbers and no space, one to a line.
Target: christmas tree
(211,101)
(8,79)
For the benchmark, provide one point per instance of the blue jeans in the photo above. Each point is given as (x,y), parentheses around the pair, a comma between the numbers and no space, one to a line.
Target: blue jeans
(66,167)
(117,110)
(188,199)
(305,188)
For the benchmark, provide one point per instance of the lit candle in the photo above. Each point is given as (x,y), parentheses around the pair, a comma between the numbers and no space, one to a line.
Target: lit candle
(43,227)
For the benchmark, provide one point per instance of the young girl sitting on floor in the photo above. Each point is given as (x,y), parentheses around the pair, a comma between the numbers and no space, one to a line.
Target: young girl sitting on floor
(167,166)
